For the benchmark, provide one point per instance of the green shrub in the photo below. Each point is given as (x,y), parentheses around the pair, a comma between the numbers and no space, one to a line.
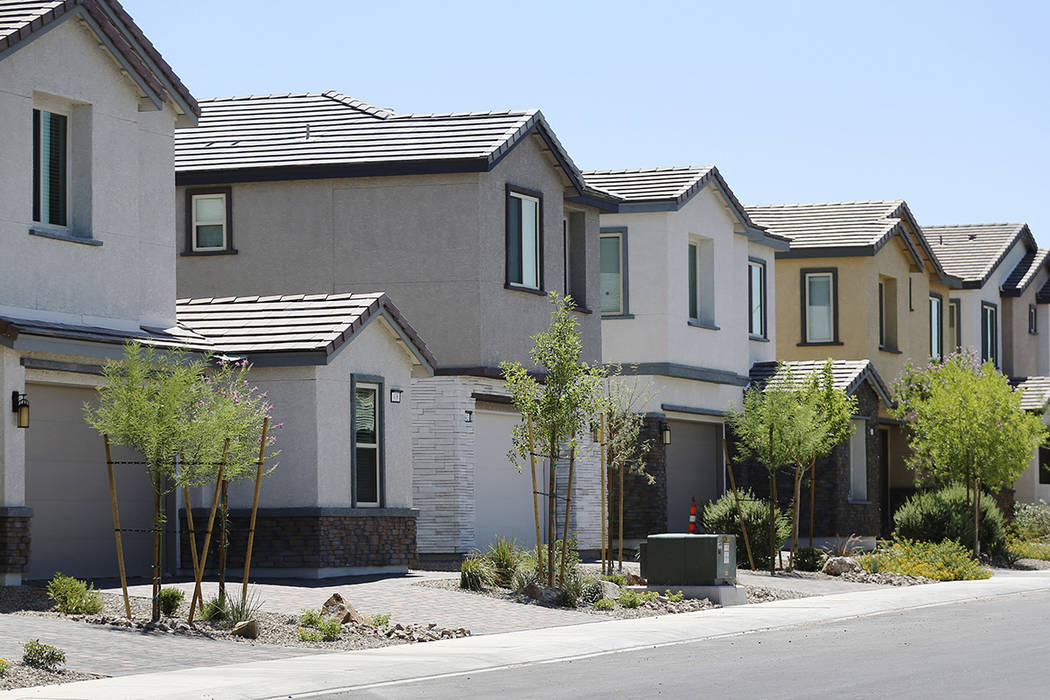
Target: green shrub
(216,609)
(169,600)
(619,579)
(502,554)
(476,573)
(330,630)
(932,516)
(242,611)
(566,599)
(1026,549)
(630,599)
(381,620)
(306,635)
(43,656)
(809,559)
(523,576)
(309,617)
(944,561)
(604,604)
(1032,521)
(674,597)
(3,667)
(73,596)
(721,517)
(592,590)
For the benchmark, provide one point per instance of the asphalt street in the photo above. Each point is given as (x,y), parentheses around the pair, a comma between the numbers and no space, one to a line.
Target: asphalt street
(982,648)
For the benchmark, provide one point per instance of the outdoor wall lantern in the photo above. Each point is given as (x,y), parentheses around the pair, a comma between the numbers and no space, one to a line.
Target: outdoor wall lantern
(469,417)
(20,406)
(665,432)
(395,395)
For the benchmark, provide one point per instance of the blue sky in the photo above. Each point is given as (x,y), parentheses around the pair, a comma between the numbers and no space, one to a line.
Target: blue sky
(944,104)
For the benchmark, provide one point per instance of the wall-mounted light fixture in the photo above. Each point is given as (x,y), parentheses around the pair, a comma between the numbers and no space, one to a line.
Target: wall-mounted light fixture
(468,416)
(395,395)
(20,406)
(665,433)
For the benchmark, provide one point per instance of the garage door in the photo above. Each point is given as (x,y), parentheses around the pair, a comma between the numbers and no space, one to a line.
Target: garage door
(67,488)
(502,495)
(694,469)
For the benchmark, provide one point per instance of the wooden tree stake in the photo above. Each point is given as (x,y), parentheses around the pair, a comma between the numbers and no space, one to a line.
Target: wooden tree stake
(565,530)
(157,525)
(621,468)
(605,505)
(812,499)
(189,527)
(116,528)
(199,575)
(552,511)
(535,503)
(255,509)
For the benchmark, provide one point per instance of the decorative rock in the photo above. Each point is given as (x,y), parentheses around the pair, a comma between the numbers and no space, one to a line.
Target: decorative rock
(836,566)
(610,590)
(335,608)
(248,629)
(635,580)
(544,594)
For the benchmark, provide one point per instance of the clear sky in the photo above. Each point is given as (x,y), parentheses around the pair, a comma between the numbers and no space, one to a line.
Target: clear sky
(944,104)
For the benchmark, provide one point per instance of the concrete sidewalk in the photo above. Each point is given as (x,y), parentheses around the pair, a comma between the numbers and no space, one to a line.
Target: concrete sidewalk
(303,676)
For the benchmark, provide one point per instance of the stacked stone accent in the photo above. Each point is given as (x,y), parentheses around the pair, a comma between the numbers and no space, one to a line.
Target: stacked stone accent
(313,538)
(14,538)
(644,504)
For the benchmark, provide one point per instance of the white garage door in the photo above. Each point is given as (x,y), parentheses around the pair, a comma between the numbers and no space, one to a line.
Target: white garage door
(67,488)
(503,495)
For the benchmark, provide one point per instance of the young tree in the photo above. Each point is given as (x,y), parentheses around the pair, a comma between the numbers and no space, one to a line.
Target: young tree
(965,425)
(559,410)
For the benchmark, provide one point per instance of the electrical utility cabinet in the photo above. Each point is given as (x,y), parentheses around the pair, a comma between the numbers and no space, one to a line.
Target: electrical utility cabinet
(676,559)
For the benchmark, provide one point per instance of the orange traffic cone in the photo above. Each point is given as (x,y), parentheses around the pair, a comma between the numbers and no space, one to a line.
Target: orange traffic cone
(692,517)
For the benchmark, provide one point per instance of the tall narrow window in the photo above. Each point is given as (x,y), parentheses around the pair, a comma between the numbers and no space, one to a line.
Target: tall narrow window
(50,168)
(990,333)
(936,327)
(858,462)
(882,314)
(566,286)
(694,295)
(523,240)
(1044,466)
(611,266)
(819,306)
(756,296)
(1033,322)
(954,334)
(209,222)
(366,445)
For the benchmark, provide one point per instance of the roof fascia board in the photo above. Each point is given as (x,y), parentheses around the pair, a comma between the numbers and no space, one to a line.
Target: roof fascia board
(768,241)
(225,176)
(400,333)
(601,204)
(902,231)
(863,251)
(680,371)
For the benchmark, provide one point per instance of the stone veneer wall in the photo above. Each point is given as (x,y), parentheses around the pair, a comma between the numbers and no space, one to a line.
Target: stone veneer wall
(444,456)
(644,504)
(312,538)
(14,538)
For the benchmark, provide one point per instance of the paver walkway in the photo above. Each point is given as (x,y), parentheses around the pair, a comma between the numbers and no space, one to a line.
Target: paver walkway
(405,601)
(117,652)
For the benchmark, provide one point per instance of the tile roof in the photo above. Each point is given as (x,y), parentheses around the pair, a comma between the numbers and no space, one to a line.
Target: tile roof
(1024,272)
(846,374)
(1035,392)
(973,251)
(832,224)
(292,323)
(21,19)
(649,184)
(13,326)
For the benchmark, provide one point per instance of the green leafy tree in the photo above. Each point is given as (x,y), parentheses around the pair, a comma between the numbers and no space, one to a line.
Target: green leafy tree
(966,426)
(560,408)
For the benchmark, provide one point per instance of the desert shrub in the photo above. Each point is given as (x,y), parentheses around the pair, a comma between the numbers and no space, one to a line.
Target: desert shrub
(330,630)
(604,604)
(309,617)
(216,609)
(674,597)
(502,554)
(238,610)
(73,596)
(523,576)
(932,516)
(1032,521)
(169,600)
(1027,549)
(721,517)
(381,620)
(630,599)
(943,561)
(619,579)
(809,559)
(476,573)
(42,656)
(307,635)
(3,667)
(592,590)
(566,599)
(844,547)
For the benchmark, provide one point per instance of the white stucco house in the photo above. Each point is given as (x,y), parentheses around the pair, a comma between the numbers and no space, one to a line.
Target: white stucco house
(686,309)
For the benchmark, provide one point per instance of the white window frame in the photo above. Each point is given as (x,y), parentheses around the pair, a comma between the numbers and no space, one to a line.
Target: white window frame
(536,243)
(938,327)
(57,107)
(376,446)
(858,462)
(760,266)
(194,223)
(618,235)
(831,308)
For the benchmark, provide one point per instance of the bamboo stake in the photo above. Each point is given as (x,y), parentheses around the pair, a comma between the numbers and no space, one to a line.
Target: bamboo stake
(621,518)
(535,503)
(157,525)
(739,508)
(605,505)
(116,528)
(772,516)
(565,530)
(189,526)
(199,574)
(552,512)
(794,534)
(255,509)
(812,498)
(224,536)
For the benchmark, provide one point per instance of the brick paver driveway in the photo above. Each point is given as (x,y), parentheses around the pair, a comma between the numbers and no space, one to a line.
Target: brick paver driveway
(406,602)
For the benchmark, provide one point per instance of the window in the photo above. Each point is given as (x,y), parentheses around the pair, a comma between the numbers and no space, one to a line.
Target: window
(990,333)
(818,310)
(700,277)
(936,327)
(694,292)
(566,287)
(887,292)
(756,297)
(1044,465)
(1033,322)
(524,214)
(366,444)
(50,168)
(612,268)
(858,462)
(882,314)
(954,335)
(209,221)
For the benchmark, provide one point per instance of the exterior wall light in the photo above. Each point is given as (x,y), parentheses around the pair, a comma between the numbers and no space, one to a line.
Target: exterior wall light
(665,433)
(395,395)
(20,406)
(469,416)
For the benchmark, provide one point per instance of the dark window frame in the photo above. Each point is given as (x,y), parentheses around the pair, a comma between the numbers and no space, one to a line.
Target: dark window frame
(764,335)
(990,346)
(1044,465)
(38,169)
(380,382)
(957,305)
(192,192)
(693,280)
(538,196)
(1033,319)
(882,314)
(803,273)
(940,327)
(625,286)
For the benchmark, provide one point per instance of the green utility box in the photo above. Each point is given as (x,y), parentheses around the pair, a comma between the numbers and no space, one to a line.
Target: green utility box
(675,559)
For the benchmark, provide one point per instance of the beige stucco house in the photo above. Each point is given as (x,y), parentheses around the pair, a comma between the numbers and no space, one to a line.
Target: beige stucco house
(687,307)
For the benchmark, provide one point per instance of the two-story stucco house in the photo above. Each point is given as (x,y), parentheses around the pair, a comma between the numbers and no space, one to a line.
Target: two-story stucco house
(466,221)
(687,307)
(860,282)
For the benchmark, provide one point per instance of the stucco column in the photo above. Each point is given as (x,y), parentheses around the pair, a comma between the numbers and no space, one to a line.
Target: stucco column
(14,517)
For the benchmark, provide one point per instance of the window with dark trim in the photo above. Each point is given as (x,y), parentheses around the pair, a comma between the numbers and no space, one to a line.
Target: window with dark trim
(209,221)
(612,263)
(1033,320)
(882,314)
(1044,465)
(820,306)
(50,168)
(990,333)
(367,439)
(756,298)
(694,281)
(936,326)
(524,238)
(954,319)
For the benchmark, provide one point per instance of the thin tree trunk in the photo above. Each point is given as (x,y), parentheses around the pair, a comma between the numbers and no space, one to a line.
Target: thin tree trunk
(255,510)
(794,534)
(620,566)
(552,511)
(536,504)
(198,575)
(812,498)
(775,500)
(565,530)
(116,528)
(977,518)
(224,536)
(605,504)
(772,536)
(155,608)
(739,509)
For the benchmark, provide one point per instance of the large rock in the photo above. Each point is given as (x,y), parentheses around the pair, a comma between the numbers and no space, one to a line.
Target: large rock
(335,608)
(248,629)
(551,595)
(836,566)
(610,590)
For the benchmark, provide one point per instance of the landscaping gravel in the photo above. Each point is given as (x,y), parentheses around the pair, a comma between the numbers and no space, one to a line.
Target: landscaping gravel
(763,594)
(21,676)
(885,579)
